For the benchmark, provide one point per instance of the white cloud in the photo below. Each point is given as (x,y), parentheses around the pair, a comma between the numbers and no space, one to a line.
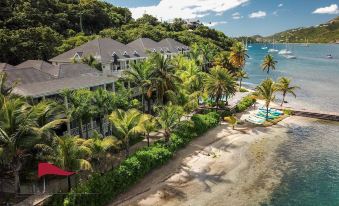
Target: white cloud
(258,14)
(214,23)
(332,9)
(186,9)
(275,13)
(280,5)
(237,15)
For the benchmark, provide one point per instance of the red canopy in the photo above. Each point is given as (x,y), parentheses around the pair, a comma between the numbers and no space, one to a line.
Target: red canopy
(50,169)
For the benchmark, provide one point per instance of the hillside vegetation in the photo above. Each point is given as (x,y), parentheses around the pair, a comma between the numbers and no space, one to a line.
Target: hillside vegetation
(323,33)
(41,29)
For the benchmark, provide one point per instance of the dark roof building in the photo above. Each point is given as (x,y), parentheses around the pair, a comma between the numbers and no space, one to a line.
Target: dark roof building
(38,78)
(105,50)
(145,44)
(173,45)
(5,66)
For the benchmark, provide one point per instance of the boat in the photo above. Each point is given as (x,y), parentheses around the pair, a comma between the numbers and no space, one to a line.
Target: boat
(264,47)
(273,50)
(285,52)
(329,56)
(289,56)
(306,43)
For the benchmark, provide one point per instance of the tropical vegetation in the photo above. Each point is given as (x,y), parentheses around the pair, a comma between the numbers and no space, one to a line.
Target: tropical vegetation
(284,86)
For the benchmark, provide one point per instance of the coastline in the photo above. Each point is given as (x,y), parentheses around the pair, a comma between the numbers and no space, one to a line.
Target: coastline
(224,165)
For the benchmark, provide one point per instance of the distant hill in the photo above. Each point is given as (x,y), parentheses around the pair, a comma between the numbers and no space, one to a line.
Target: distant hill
(323,33)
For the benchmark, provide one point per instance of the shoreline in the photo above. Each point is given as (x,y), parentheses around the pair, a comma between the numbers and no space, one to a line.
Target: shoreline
(223,165)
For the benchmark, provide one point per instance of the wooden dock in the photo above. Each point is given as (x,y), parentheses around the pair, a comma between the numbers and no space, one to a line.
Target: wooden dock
(316,115)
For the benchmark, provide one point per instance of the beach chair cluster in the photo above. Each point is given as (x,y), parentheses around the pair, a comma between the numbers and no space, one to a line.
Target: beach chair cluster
(260,115)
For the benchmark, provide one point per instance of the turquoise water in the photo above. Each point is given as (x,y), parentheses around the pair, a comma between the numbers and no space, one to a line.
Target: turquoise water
(317,76)
(311,153)
(312,175)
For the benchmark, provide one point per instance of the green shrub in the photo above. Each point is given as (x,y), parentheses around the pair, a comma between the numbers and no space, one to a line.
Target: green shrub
(102,188)
(244,104)
(288,112)
(243,90)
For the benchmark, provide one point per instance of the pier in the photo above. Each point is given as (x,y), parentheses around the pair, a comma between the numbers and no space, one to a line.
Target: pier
(316,115)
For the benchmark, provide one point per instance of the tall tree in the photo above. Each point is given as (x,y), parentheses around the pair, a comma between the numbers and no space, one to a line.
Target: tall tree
(80,108)
(242,74)
(126,125)
(238,55)
(103,104)
(150,125)
(284,85)
(266,91)
(268,63)
(141,75)
(220,83)
(168,118)
(163,75)
(22,127)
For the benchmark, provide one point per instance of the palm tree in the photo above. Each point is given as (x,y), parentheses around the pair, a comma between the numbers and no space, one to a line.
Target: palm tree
(220,83)
(103,102)
(284,86)
(242,74)
(126,125)
(195,54)
(150,124)
(163,75)
(266,92)
(268,63)
(222,59)
(100,148)
(207,53)
(238,55)
(168,118)
(72,154)
(80,107)
(141,74)
(22,127)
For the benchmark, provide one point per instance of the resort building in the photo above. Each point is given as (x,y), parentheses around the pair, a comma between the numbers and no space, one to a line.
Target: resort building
(113,55)
(39,79)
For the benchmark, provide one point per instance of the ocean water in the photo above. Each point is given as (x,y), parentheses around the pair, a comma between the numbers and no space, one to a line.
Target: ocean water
(312,175)
(311,152)
(317,76)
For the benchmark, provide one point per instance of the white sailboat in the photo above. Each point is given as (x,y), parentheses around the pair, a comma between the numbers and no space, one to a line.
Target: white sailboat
(285,51)
(273,50)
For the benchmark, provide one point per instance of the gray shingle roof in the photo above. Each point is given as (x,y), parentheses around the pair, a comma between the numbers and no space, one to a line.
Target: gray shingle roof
(5,66)
(145,44)
(74,70)
(27,75)
(41,66)
(102,49)
(173,45)
(57,85)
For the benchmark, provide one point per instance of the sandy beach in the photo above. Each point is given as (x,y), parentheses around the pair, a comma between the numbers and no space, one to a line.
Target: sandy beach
(222,166)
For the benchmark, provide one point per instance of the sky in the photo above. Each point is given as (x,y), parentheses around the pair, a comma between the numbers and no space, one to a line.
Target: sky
(239,17)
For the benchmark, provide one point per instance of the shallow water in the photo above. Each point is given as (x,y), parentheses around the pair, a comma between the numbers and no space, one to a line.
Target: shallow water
(312,176)
(317,76)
